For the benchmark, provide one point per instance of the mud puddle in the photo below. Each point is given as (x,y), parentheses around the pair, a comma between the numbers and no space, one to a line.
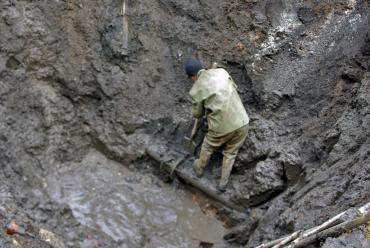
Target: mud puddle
(136,208)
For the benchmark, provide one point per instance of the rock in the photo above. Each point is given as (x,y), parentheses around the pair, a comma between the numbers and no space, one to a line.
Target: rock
(306,15)
(259,143)
(292,165)
(259,184)
(113,37)
(3,63)
(273,100)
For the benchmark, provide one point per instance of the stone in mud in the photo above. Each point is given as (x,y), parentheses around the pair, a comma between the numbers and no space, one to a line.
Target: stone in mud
(306,15)
(260,142)
(272,100)
(292,163)
(259,184)
(113,40)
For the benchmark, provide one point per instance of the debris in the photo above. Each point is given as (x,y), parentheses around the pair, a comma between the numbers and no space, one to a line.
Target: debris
(329,228)
(13,228)
(203,244)
(240,46)
(16,243)
(333,231)
(125,26)
(51,238)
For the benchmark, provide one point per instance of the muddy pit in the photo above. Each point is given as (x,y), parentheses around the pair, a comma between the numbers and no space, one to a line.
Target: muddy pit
(86,87)
(133,207)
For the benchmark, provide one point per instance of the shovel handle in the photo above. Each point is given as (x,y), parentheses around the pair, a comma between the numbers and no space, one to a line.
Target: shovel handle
(195,127)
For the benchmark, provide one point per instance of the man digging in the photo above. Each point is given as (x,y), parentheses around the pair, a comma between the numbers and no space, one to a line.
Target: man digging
(215,91)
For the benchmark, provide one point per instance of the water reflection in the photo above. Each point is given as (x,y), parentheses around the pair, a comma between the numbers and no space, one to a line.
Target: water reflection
(132,206)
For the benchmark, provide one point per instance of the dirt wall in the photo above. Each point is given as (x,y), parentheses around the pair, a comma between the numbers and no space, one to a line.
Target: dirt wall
(78,74)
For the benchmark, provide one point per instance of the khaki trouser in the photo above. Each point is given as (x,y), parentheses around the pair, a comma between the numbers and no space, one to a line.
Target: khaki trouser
(232,142)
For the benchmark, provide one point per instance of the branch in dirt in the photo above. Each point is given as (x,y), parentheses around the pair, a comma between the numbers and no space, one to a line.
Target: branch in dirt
(287,239)
(320,231)
(333,231)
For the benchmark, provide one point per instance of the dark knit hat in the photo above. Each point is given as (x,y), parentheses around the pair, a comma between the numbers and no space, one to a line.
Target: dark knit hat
(193,66)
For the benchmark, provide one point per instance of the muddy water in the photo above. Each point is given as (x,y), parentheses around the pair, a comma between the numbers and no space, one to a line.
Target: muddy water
(133,207)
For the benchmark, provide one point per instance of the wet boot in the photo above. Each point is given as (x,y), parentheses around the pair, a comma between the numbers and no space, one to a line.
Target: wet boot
(201,163)
(227,165)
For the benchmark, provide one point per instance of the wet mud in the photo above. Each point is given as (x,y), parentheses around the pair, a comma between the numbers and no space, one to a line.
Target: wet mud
(133,207)
(86,87)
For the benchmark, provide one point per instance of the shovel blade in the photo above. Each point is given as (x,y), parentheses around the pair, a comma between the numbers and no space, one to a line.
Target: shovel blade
(189,145)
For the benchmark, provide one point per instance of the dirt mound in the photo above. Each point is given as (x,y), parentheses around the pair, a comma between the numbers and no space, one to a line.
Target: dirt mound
(76,75)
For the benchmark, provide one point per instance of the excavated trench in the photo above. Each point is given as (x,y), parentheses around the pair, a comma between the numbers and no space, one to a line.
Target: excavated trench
(94,110)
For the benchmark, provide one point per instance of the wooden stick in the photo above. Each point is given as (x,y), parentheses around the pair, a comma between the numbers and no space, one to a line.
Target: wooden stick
(287,240)
(329,223)
(195,128)
(272,243)
(365,208)
(125,25)
(333,231)
(315,230)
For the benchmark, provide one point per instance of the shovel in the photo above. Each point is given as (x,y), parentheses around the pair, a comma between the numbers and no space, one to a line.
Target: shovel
(189,143)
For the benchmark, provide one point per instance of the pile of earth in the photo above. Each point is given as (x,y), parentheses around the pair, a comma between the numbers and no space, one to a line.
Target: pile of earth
(77,75)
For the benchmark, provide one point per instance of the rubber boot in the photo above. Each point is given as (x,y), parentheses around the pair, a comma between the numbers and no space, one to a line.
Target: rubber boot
(201,163)
(227,165)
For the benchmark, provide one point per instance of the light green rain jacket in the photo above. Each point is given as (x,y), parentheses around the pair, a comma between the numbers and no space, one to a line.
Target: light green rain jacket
(215,91)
